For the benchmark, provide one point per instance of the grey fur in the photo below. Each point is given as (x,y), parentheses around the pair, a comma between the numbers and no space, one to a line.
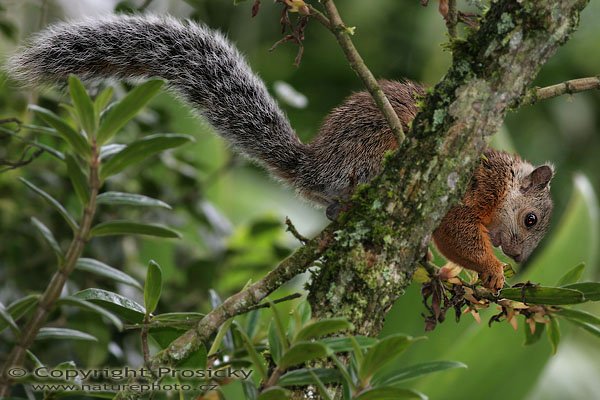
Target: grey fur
(198,63)
(210,74)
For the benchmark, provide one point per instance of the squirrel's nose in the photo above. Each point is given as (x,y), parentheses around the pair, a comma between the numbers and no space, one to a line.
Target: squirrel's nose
(514,255)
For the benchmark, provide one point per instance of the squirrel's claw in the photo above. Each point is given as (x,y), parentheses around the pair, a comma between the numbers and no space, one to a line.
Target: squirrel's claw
(492,280)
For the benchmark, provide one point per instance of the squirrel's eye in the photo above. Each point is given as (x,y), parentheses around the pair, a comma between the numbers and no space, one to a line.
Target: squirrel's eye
(530,220)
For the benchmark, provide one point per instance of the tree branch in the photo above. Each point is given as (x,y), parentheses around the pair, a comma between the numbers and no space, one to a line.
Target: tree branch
(572,86)
(342,33)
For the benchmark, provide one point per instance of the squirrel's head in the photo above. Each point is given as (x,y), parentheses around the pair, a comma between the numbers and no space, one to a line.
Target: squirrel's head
(524,217)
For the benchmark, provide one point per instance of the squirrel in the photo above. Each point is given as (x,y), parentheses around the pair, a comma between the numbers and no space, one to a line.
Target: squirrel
(507,203)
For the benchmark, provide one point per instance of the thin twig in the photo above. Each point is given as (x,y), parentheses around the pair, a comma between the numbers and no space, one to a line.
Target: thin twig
(572,86)
(144,339)
(452,18)
(276,301)
(342,33)
(292,229)
(57,283)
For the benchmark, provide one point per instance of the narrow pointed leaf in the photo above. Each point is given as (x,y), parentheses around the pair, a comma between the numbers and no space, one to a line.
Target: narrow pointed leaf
(153,287)
(304,376)
(110,150)
(126,108)
(178,320)
(390,393)
(19,307)
(257,360)
(381,354)
(68,133)
(274,343)
(279,329)
(250,389)
(302,352)
(7,320)
(48,237)
(344,344)
(83,105)
(531,338)
(321,386)
(141,149)
(543,295)
(221,335)
(101,269)
(120,227)
(593,329)
(323,327)
(572,276)
(579,315)
(78,179)
(401,375)
(64,333)
(54,203)
(129,199)
(553,334)
(103,99)
(120,305)
(87,305)
(590,290)
(34,143)
(274,393)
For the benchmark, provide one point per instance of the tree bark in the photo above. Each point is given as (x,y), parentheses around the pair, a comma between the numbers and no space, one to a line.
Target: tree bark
(382,238)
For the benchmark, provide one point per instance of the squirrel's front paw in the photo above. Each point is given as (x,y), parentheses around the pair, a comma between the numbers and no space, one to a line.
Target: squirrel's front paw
(493,280)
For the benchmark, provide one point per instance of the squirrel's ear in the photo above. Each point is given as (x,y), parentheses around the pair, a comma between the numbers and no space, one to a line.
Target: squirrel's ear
(539,178)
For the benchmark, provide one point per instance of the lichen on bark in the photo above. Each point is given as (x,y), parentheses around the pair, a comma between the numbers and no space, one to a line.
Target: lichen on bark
(378,243)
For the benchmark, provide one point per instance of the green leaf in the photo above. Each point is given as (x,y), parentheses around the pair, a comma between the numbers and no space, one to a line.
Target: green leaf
(19,307)
(344,344)
(34,143)
(141,149)
(7,320)
(323,327)
(401,375)
(126,108)
(121,227)
(274,342)
(76,302)
(220,336)
(301,352)
(250,389)
(64,333)
(322,389)
(531,338)
(48,237)
(578,315)
(553,334)
(257,360)
(543,295)
(70,135)
(120,305)
(103,99)
(590,290)
(274,393)
(78,179)
(283,339)
(101,269)
(303,376)
(594,330)
(153,287)
(128,199)
(381,354)
(389,393)
(54,203)
(83,105)
(572,276)
(197,360)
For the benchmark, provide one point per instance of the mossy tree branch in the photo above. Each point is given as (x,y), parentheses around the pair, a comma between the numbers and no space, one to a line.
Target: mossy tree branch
(386,232)
(369,255)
